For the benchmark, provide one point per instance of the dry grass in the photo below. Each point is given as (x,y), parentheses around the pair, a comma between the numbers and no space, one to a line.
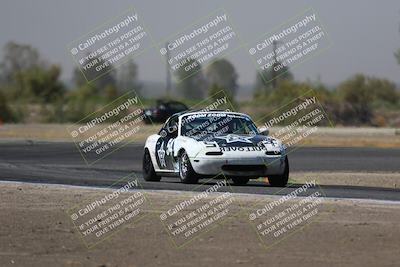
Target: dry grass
(324,137)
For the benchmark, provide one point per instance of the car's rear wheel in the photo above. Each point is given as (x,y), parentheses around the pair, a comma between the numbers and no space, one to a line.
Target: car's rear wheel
(280,180)
(186,172)
(148,169)
(240,180)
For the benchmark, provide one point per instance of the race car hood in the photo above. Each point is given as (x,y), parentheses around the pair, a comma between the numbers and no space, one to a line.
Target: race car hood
(235,140)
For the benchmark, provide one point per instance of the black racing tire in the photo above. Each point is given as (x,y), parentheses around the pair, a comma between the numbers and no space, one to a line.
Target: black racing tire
(240,180)
(186,172)
(280,180)
(148,169)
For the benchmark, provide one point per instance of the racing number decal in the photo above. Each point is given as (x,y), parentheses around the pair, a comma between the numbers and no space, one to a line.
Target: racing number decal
(164,152)
(160,154)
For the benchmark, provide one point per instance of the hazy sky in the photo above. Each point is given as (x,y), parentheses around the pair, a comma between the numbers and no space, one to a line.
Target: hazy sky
(364,33)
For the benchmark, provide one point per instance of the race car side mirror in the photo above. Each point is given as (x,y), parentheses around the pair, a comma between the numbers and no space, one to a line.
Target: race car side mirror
(170,132)
(264,131)
(173,129)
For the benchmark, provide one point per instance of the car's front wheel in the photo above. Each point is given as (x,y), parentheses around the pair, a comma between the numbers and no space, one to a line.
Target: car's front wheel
(148,169)
(280,180)
(186,172)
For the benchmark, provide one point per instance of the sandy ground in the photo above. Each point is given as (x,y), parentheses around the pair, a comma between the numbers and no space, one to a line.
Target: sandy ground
(323,137)
(373,179)
(36,231)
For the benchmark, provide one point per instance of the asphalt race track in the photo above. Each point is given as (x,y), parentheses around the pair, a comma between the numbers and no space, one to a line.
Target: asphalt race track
(61,163)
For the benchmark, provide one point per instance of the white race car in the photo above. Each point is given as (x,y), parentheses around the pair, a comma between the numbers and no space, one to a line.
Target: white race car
(200,144)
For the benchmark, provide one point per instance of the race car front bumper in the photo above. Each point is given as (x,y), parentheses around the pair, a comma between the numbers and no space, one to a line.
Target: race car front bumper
(242,167)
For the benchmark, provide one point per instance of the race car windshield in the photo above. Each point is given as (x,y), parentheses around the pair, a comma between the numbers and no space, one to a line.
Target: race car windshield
(201,125)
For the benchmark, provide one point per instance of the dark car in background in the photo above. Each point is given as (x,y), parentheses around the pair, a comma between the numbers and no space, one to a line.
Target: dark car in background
(163,110)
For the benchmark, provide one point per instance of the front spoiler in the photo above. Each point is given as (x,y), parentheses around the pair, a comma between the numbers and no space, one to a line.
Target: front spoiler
(274,165)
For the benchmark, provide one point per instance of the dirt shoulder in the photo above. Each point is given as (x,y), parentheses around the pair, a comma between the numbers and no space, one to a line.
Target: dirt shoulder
(36,231)
(323,137)
(372,179)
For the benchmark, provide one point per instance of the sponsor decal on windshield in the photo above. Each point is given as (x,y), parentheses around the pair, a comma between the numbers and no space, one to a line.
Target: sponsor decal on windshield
(190,118)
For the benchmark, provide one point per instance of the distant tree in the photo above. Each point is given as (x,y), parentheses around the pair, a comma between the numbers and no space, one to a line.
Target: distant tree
(27,76)
(6,114)
(266,79)
(82,102)
(77,77)
(40,83)
(127,77)
(286,92)
(110,92)
(191,81)
(98,79)
(222,74)
(17,58)
(357,98)
(89,96)
(216,92)
(383,91)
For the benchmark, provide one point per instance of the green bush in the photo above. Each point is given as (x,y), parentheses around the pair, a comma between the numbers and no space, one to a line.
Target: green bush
(6,115)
